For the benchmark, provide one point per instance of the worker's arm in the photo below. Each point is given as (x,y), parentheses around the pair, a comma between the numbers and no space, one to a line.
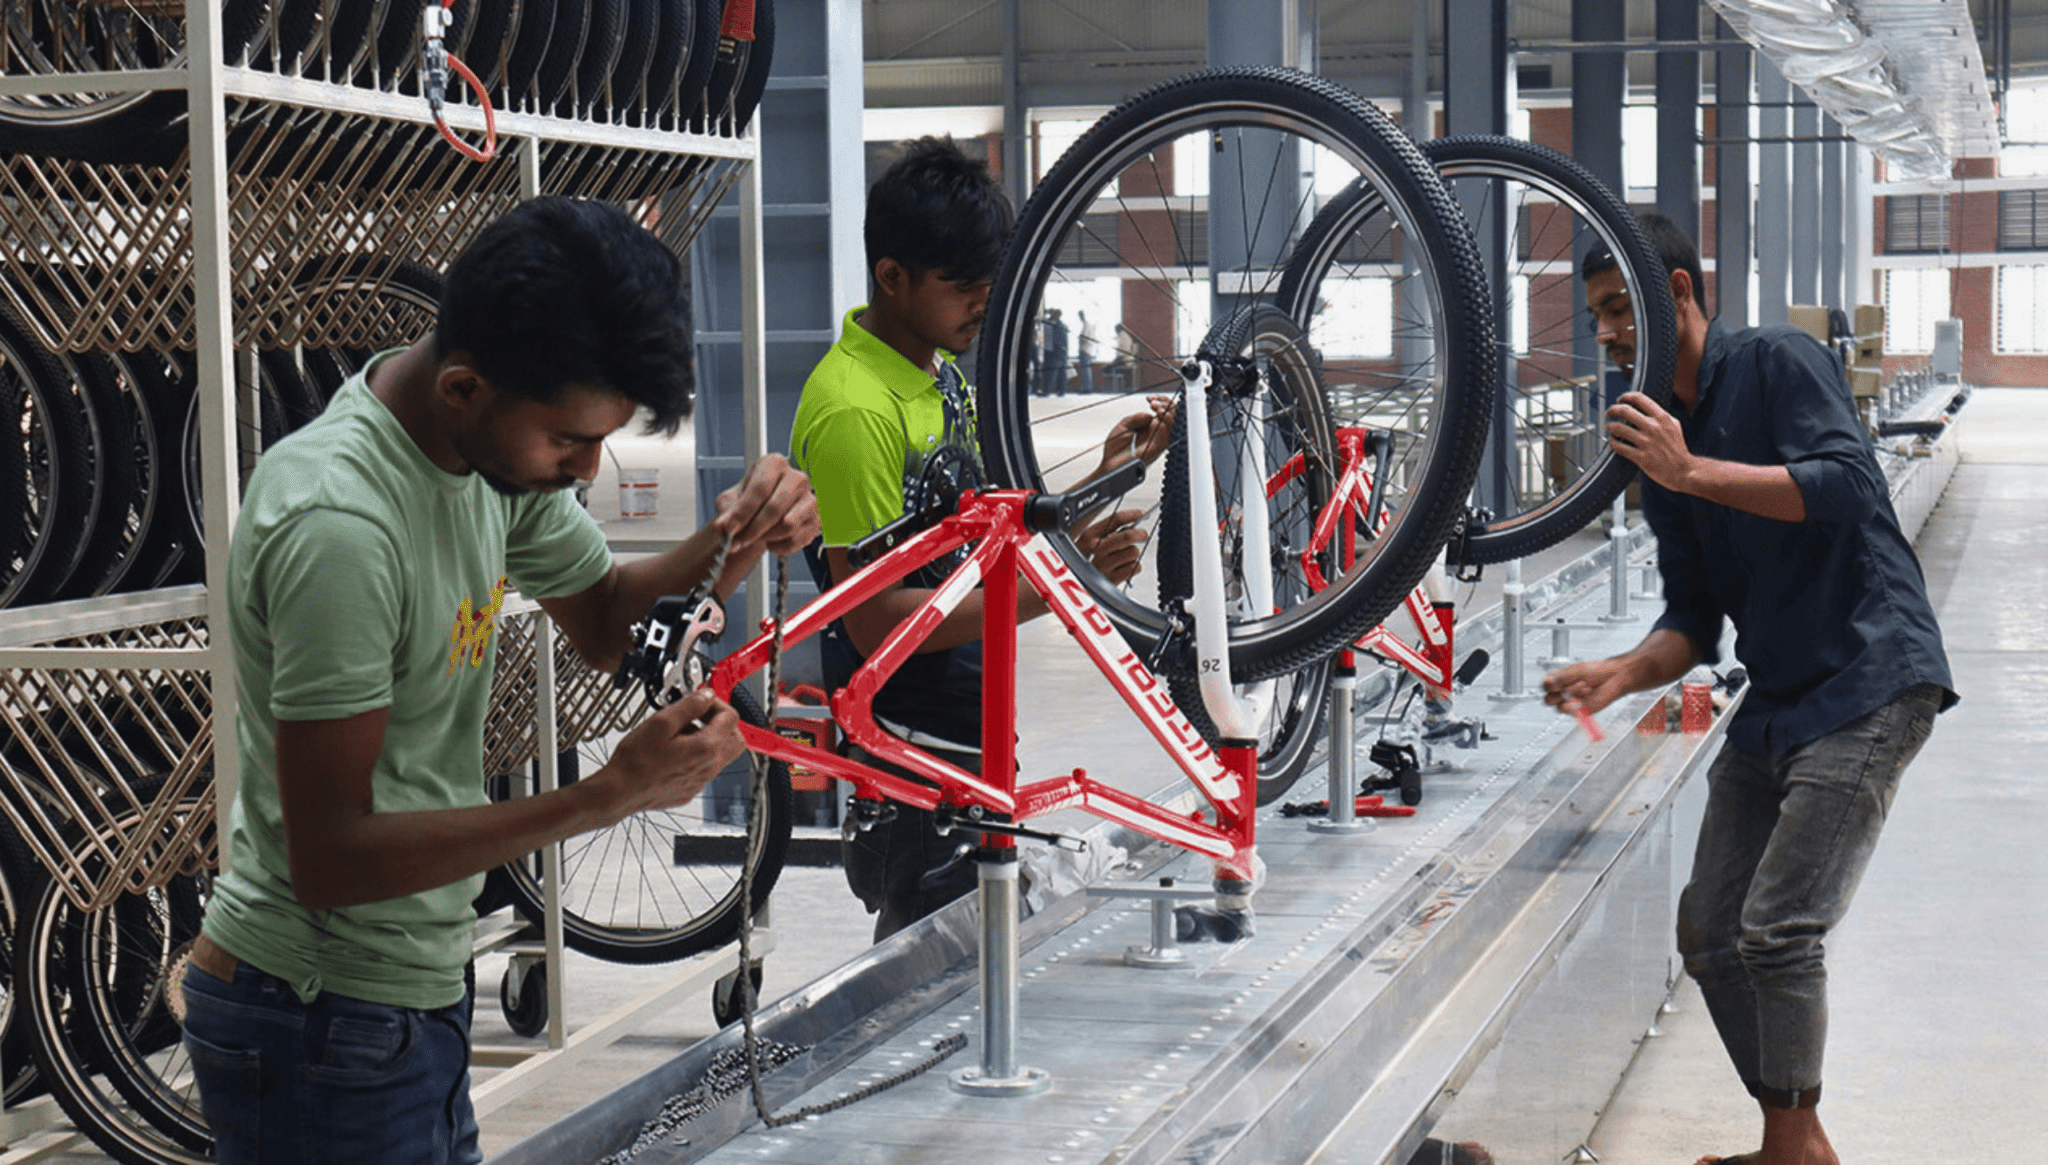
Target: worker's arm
(344,852)
(1654,442)
(1661,658)
(771,511)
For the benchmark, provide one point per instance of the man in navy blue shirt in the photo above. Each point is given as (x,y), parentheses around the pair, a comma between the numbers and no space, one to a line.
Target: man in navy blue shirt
(1770,511)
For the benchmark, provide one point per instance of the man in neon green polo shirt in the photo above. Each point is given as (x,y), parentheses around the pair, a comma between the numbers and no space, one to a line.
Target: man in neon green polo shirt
(885,402)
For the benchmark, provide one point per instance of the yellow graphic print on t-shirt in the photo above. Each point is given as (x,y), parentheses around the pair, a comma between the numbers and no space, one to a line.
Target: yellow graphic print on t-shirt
(472,632)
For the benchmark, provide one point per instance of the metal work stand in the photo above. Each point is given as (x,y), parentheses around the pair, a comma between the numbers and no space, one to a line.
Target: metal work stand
(1343,816)
(999,1074)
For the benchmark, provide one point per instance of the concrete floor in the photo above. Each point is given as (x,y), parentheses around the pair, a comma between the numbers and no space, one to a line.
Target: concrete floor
(1939,976)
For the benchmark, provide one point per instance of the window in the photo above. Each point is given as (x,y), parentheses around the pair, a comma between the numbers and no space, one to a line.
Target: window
(1916,222)
(2022,220)
(1355,321)
(1913,299)
(1191,166)
(1190,313)
(2023,310)
(1101,300)
(1054,136)
(1639,145)
(2026,120)
(1518,313)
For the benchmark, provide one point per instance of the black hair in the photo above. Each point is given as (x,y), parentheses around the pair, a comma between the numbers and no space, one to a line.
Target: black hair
(562,291)
(1673,247)
(936,209)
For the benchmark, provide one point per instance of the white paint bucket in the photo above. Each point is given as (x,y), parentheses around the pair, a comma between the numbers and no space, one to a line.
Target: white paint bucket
(639,493)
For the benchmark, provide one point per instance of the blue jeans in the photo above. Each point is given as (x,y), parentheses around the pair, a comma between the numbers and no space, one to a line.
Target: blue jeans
(339,1079)
(1785,841)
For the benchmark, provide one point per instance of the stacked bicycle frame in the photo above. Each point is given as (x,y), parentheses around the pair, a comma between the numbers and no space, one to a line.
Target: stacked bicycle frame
(140,406)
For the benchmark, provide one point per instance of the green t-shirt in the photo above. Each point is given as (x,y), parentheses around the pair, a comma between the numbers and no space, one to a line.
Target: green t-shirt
(363,576)
(867,425)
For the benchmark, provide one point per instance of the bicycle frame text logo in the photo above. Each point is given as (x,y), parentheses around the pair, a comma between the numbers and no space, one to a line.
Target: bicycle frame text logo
(1134,681)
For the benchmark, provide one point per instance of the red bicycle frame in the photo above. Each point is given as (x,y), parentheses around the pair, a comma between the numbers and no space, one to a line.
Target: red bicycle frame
(1008,548)
(1431,660)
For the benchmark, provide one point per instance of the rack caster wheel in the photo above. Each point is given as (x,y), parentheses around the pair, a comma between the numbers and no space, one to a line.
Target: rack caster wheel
(524,999)
(725,995)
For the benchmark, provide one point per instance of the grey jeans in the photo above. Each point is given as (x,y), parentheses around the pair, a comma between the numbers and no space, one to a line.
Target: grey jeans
(1783,845)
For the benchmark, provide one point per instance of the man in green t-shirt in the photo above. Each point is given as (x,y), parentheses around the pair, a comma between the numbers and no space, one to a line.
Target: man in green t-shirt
(885,406)
(327,1003)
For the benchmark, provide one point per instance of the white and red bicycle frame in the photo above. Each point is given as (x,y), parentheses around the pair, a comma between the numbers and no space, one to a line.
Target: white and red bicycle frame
(1429,660)
(1007,548)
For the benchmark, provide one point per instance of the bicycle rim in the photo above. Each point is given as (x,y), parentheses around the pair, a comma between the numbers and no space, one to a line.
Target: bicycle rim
(665,884)
(1190,201)
(84,971)
(1560,473)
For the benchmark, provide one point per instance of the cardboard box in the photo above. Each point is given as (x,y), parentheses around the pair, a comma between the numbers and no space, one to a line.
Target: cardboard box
(1869,321)
(1808,318)
(1865,382)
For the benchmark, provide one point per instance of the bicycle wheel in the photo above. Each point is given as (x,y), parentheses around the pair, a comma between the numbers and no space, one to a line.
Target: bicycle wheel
(1199,190)
(121,461)
(1283,417)
(682,61)
(1563,474)
(98,989)
(46,37)
(170,548)
(284,404)
(46,447)
(664,885)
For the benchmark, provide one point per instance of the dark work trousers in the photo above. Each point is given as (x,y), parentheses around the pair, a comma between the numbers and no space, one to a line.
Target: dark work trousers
(903,869)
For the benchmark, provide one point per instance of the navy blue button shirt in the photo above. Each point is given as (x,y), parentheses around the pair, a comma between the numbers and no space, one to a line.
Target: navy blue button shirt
(1831,614)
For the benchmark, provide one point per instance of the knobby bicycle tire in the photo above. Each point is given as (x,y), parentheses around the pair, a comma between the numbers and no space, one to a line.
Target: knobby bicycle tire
(1544,520)
(1445,454)
(675,932)
(97,999)
(144,127)
(49,433)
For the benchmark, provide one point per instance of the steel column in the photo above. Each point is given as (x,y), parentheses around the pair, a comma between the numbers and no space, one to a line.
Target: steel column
(1806,224)
(1732,194)
(1773,194)
(1245,238)
(1832,289)
(1678,116)
(1477,97)
(1599,84)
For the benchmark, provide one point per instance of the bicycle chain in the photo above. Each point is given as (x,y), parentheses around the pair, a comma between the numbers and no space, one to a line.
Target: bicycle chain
(745,985)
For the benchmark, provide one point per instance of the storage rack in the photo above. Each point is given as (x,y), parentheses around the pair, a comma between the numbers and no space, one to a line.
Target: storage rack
(217,279)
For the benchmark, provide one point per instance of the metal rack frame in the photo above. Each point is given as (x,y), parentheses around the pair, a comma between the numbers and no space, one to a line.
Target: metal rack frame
(211,84)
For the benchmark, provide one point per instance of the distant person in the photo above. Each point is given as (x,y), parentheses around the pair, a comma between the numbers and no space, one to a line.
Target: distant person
(1084,347)
(1055,354)
(1771,512)
(1125,369)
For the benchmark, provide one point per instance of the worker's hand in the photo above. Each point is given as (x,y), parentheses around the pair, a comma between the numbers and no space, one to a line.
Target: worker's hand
(1114,544)
(668,758)
(1594,684)
(1141,435)
(1651,439)
(772,509)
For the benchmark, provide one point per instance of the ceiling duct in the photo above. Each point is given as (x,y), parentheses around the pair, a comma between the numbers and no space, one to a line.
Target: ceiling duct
(1904,77)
